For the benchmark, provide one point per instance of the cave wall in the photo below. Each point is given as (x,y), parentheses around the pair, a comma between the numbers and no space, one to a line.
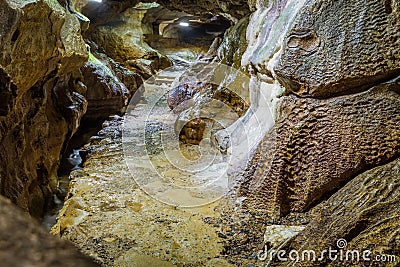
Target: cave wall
(234,9)
(41,47)
(330,81)
(328,78)
(328,109)
(329,73)
(54,76)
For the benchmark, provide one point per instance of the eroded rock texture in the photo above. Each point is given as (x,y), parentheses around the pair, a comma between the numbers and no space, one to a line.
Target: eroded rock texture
(234,44)
(235,8)
(122,39)
(109,87)
(317,145)
(208,98)
(40,47)
(365,213)
(23,242)
(336,47)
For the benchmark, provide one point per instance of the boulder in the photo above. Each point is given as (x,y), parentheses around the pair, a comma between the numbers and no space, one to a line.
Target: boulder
(108,91)
(23,242)
(122,39)
(363,215)
(340,47)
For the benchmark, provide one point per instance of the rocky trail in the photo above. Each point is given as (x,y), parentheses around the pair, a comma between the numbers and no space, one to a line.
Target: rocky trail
(134,202)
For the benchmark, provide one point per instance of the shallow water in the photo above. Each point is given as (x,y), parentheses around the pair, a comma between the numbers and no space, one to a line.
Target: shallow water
(72,160)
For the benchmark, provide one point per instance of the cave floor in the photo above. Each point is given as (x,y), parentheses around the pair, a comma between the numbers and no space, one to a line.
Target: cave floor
(108,216)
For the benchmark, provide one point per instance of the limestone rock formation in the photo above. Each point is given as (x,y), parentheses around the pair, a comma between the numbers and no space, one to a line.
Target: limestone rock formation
(122,39)
(208,98)
(23,242)
(337,47)
(237,9)
(41,46)
(317,145)
(265,35)
(234,44)
(327,72)
(38,38)
(107,93)
(365,213)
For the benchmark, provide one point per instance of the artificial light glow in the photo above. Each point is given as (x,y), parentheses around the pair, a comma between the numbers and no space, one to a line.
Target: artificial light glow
(184,24)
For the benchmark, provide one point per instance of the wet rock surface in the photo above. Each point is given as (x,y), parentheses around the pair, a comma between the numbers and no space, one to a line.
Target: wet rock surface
(204,104)
(112,220)
(106,91)
(23,242)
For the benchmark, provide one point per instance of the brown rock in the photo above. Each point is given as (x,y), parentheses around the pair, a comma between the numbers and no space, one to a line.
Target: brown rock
(122,39)
(42,37)
(204,106)
(23,242)
(337,47)
(185,90)
(106,93)
(317,145)
(365,213)
(40,46)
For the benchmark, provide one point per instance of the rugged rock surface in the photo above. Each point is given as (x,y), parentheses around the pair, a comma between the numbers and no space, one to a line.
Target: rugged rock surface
(122,39)
(35,38)
(317,145)
(106,91)
(208,98)
(236,9)
(365,212)
(234,44)
(112,220)
(23,242)
(40,47)
(264,37)
(336,47)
